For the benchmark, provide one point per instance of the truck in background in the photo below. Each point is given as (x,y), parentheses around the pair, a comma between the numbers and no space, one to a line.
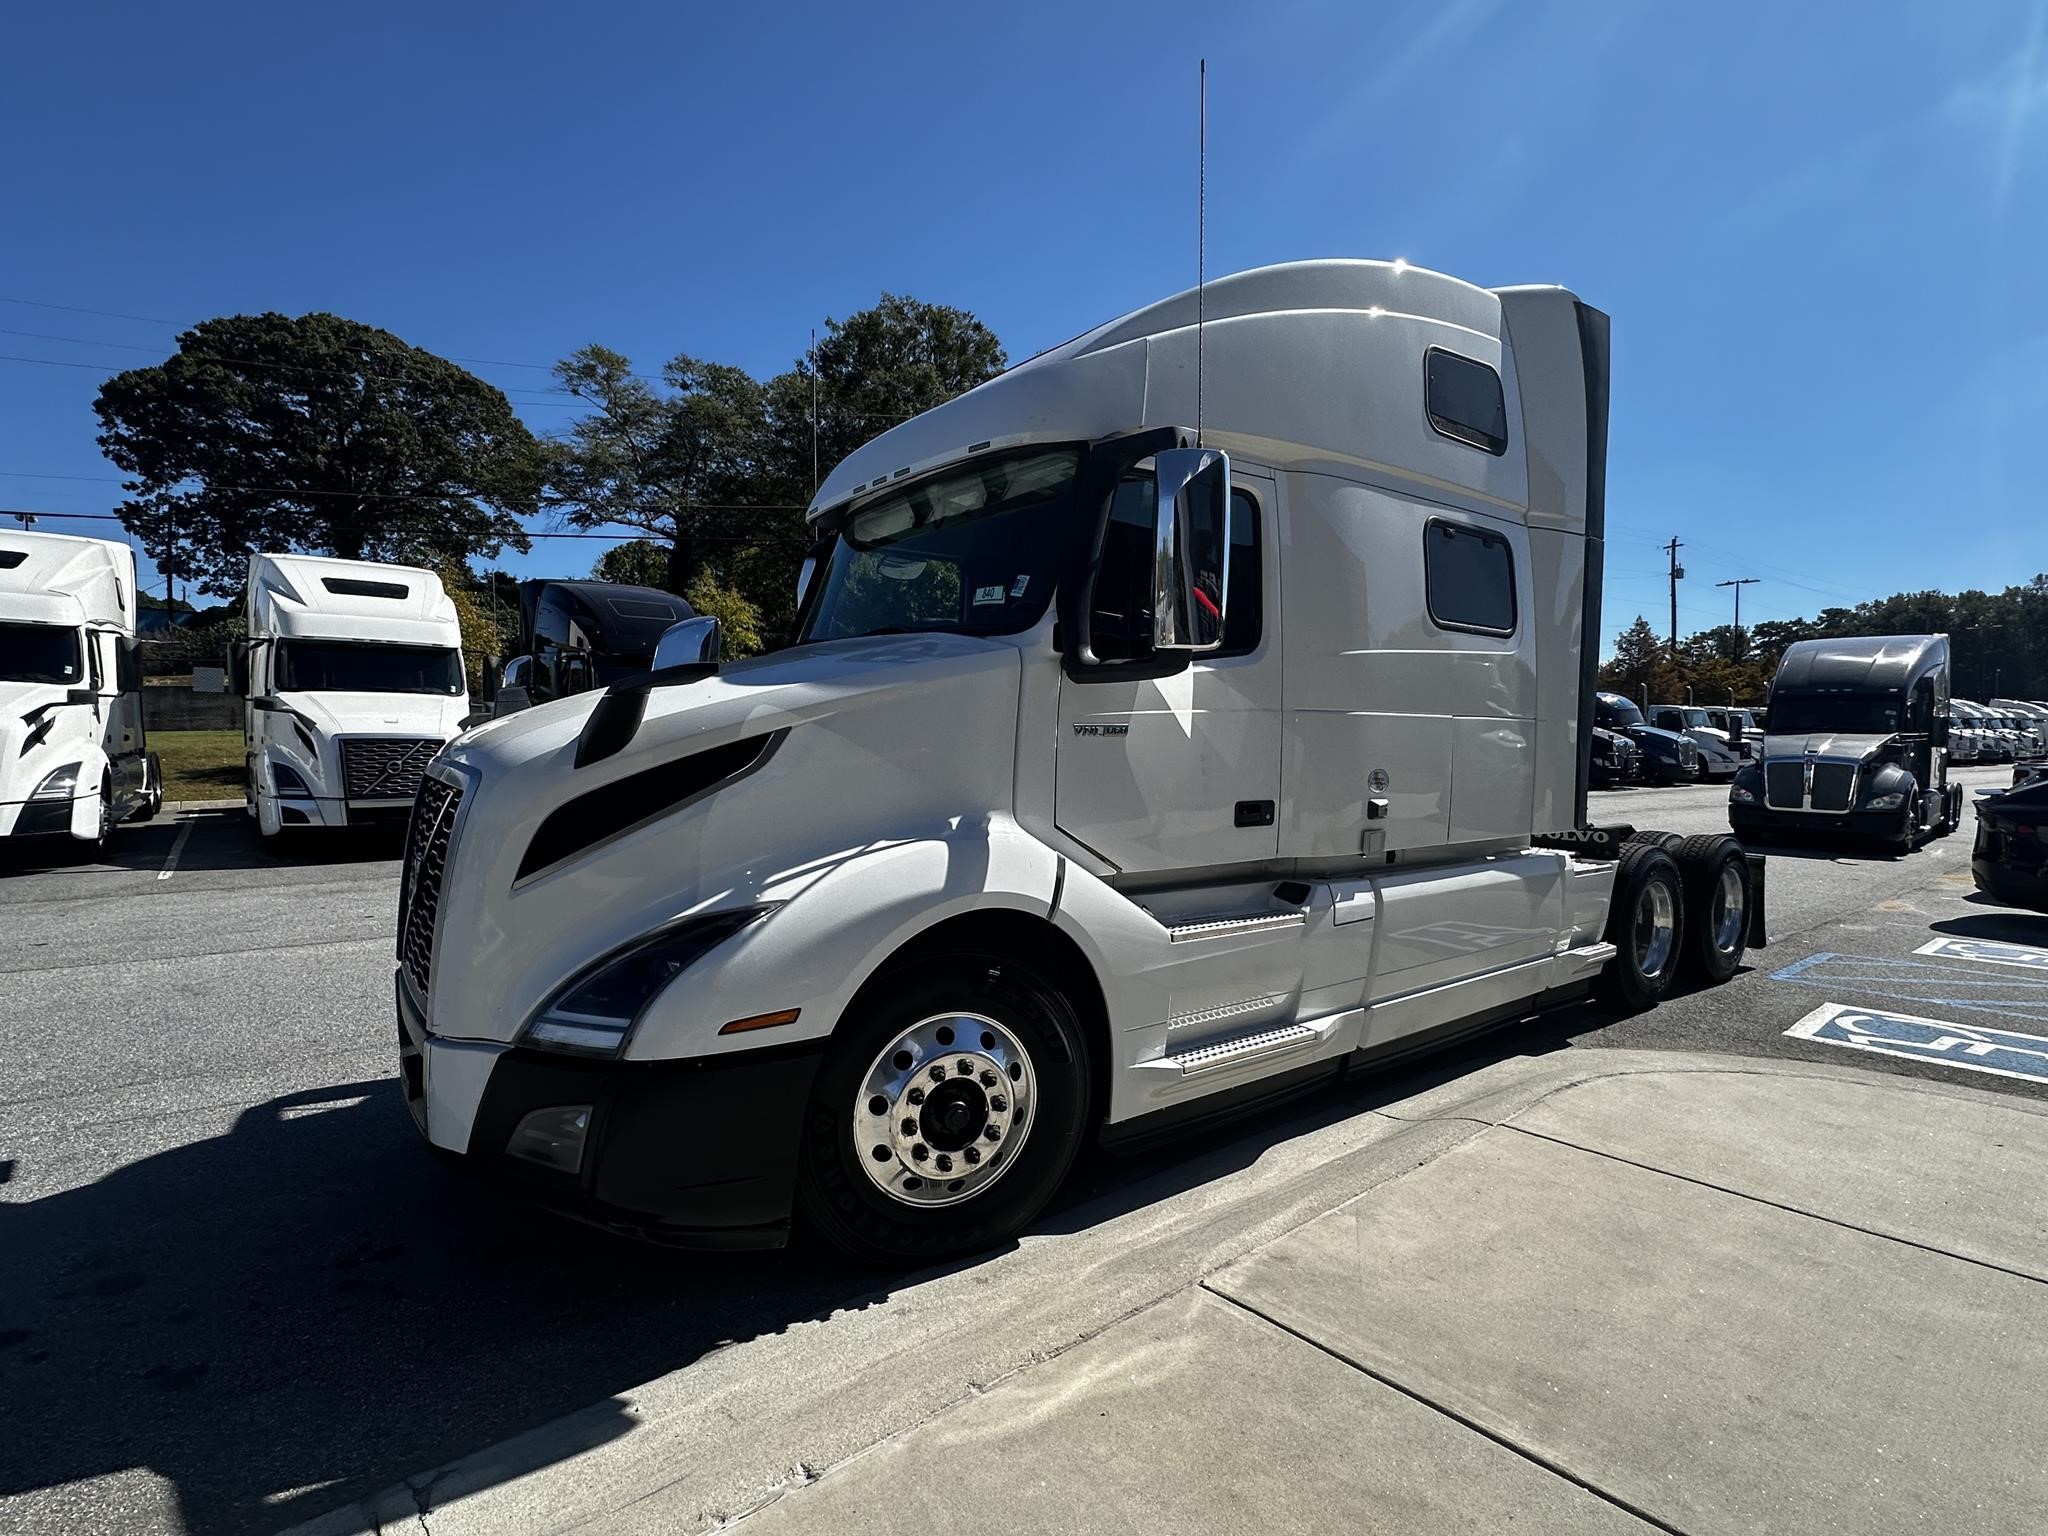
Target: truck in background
(1056,823)
(578,635)
(73,757)
(1856,745)
(353,678)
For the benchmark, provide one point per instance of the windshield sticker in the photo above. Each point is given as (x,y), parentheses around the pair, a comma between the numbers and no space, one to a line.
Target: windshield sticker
(1017,587)
(985,595)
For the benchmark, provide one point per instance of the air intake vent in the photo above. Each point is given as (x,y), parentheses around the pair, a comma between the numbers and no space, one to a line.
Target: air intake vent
(10,558)
(640,797)
(350,586)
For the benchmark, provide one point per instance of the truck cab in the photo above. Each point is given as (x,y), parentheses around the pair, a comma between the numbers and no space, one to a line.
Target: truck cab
(74,760)
(1720,753)
(1857,744)
(1669,757)
(1145,752)
(353,677)
(578,635)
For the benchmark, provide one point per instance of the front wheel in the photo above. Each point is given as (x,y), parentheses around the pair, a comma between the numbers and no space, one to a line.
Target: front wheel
(951,1104)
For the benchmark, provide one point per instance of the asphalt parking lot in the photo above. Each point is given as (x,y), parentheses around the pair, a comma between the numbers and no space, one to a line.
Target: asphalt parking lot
(235,1294)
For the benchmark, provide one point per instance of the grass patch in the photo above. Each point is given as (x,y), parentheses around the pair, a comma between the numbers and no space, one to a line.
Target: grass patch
(200,765)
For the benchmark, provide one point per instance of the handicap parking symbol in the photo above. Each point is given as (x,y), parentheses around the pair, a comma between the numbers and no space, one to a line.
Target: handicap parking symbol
(2001,1052)
(1989,951)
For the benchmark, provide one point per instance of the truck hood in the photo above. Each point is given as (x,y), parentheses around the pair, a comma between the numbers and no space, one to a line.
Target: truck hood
(381,714)
(1837,744)
(1654,735)
(73,729)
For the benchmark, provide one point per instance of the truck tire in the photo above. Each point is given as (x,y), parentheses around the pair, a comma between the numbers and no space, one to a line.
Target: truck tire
(1646,926)
(1716,876)
(1670,842)
(1907,838)
(950,1105)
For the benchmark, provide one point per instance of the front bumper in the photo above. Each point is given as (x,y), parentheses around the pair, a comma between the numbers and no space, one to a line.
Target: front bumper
(38,818)
(699,1153)
(1761,821)
(2014,886)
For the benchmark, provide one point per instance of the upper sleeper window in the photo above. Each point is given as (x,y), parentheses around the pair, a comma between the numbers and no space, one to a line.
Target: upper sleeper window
(1470,575)
(355,586)
(1464,400)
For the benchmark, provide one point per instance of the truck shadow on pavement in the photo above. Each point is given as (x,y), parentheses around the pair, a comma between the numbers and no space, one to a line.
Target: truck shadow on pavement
(308,1309)
(218,840)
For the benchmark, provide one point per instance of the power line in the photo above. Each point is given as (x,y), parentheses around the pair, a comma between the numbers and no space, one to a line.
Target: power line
(531,533)
(105,314)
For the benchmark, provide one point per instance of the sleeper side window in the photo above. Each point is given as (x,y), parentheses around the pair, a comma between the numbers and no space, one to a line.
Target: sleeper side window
(1464,400)
(1470,576)
(1121,618)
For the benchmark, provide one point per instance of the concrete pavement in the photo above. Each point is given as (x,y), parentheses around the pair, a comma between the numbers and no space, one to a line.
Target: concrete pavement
(1575,1292)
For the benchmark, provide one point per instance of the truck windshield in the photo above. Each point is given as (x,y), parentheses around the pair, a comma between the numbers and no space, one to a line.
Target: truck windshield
(337,666)
(39,653)
(971,550)
(1615,713)
(1853,714)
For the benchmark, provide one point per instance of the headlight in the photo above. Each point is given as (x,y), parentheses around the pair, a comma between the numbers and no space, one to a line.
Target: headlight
(60,785)
(287,780)
(1741,796)
(594,1010)
(1890,802)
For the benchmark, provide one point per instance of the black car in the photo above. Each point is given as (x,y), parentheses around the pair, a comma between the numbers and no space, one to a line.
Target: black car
(1616,760)
(1668,758)
(2012,836)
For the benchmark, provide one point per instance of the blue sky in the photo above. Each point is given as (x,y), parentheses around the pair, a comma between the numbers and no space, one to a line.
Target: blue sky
(1819,228)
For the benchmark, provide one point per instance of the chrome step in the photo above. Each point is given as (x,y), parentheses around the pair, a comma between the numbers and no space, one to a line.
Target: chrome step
(1216,1015)
(1228,1053)
(1224,924)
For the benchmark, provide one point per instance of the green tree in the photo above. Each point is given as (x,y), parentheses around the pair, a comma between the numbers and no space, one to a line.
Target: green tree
(635,563)
(1641,663)
(681,462)
(742,620)
(315,433)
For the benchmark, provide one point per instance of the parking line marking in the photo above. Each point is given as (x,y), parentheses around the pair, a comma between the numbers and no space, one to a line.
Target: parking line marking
(1988,952)
(1971,1048)
(177,847)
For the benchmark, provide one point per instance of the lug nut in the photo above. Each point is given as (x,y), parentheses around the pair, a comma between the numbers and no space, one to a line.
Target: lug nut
(988,1079)
(910,1127)
(944,1164)
(938,1074)
(992,1134)
(999,1103)
(916,1095)
(972,1154)
(920,1152)
(964,1067)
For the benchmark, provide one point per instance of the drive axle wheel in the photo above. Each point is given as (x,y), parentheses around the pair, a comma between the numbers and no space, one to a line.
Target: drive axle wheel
(949,1107)
(1646,925)
(1716,876)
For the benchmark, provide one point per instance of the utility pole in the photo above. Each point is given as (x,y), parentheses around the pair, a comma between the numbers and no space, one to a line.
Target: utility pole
(814,410)
(1677,575)
(1738,584)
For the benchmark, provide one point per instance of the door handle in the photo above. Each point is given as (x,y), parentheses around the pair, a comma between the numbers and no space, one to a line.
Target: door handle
(1254,813)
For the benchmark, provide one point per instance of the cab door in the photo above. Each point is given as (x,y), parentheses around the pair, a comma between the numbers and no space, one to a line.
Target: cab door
(1163,766)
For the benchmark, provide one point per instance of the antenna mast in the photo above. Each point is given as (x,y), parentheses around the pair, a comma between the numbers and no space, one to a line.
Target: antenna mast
(814,410)
(1201,226)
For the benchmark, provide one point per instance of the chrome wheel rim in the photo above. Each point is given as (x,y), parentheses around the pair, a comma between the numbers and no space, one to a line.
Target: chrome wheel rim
(1726,916)
(1655,932)
(944,1109)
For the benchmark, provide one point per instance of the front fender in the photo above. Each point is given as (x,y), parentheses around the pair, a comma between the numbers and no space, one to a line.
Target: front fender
(93,764)
(836,922)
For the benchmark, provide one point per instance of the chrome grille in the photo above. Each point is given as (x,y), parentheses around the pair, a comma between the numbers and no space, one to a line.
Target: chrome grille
(385,767)
(1785,784)
(426,860)
(1834,786)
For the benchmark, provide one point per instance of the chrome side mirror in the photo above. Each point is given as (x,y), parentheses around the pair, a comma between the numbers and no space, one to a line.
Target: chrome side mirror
(700,639)
(515,687)
(1191,549)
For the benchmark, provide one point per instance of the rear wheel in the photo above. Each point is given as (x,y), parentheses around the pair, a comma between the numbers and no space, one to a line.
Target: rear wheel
(1670,842)
(1716,877)
(1646,926)
(951,1104)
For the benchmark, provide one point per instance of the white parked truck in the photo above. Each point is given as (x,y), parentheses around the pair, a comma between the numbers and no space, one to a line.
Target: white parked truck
(73,758)
(354,680)
(1173,722)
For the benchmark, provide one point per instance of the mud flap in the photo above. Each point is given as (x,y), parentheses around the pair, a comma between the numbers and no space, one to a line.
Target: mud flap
(1757,937)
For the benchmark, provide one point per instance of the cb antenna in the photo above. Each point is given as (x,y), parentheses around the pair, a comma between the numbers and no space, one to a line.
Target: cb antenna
(1201,226)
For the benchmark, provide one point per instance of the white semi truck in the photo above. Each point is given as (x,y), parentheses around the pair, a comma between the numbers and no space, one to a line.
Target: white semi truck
(73,757)
(1193,713)
(354,680)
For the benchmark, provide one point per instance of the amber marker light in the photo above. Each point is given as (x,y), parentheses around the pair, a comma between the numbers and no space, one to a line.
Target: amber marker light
(760,1021)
